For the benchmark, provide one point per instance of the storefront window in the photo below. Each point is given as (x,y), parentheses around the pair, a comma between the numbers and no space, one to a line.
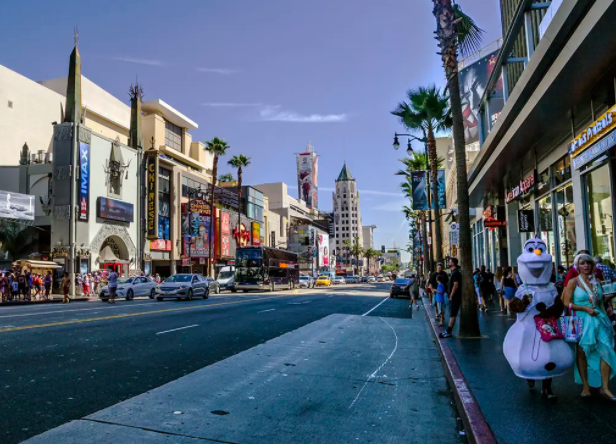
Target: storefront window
(599,198)
(543,181)
(562,170)
(545,223)
(566,225)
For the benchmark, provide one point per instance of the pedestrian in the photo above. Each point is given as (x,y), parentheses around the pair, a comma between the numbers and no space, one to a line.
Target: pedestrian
(38,285)
(508,288)
(485,285)
(78,284)
(21,285)
(595,356)
(14,287)
(97,282)
(439,308)
(477,284)
(560,279)
(112,285)
(573,271)
(157,279)
(455,296)
(414,290)
(47,282)
(66,287)
(86,284)
(29,285)
(606,270)
(433,281)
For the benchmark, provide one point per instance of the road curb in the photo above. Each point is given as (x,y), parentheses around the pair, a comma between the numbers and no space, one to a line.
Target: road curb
(477,429)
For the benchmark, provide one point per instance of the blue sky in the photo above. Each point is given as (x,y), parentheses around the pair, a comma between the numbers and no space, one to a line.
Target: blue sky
(267,75)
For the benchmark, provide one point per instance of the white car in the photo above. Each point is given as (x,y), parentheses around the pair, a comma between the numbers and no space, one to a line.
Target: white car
(381,278)
(353,279)
(130,287)
(339,280)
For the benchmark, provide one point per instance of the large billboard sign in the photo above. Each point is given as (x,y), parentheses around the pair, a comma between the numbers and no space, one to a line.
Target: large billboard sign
(473,82)
(115,210)
(196,219)
(151,180)
(16,206)
(84,181)
(323,246)
(307,190)
(225,231)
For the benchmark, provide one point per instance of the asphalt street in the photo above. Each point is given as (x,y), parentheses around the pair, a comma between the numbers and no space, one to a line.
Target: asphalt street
(64,362)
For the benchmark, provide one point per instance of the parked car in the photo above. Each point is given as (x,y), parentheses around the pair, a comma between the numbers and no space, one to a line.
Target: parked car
(323,281)
(400,287)
(371,279)
(353,279)
(306,282)
(381,278)
(183,286)
(339,280)
(365,279)
(226,279)
(130,287)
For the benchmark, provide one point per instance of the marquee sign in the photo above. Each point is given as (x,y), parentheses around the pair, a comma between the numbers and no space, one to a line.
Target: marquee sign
(526,186)
(84,181)
(151,172)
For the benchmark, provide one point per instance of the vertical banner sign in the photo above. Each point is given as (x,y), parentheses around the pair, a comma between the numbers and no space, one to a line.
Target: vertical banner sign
(323,251)
(526,221)
(442,200)
(196,217)
(315,181)
(225,230)
(84,181)
(151,175)
(420,191)
(256,233)
(304,178)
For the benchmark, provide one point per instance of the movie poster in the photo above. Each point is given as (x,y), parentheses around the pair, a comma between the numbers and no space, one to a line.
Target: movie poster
(420,192)
(323,246)
(304,178)
(196,219)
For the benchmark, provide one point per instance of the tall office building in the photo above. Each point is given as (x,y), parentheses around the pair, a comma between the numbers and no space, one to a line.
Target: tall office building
(347,219)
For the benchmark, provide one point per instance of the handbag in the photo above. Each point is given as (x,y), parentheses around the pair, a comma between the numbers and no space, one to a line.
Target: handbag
(571,326)
(548,328)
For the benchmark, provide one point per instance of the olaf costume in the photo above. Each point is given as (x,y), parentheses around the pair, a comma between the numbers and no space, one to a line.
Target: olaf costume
(529,356)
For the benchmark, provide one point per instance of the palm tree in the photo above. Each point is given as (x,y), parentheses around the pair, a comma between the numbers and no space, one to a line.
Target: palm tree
(371,253)
(16,239)
(455,31)
(239,162)
(218,147)
(427,111)
(226,178)
(356,251)
(346,247)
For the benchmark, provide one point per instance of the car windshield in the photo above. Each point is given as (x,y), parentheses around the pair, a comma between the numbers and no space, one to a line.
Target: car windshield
(125,281)
(322,277)
(401,281)
(179,278)
(304,278)
(225,274)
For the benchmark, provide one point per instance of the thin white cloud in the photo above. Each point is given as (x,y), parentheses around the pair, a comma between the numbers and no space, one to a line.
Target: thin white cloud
(395,206)
(139,61)
(230,104)
(380,193)
(223,71)
(275,114)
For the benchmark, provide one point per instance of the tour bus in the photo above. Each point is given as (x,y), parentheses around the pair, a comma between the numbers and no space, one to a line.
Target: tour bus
(265,268)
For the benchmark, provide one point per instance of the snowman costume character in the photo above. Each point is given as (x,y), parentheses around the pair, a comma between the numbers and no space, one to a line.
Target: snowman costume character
(529,356)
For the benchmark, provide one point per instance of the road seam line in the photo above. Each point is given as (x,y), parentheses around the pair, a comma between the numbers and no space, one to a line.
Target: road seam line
(176,329)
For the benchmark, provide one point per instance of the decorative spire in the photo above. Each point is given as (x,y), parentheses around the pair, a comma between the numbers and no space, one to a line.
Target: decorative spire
(345,174)
(135,136)
(73,86)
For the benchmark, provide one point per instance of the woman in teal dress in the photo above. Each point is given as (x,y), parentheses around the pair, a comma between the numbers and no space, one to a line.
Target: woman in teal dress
(595,356)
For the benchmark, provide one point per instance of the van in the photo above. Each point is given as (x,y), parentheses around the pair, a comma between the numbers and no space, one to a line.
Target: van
(226,278)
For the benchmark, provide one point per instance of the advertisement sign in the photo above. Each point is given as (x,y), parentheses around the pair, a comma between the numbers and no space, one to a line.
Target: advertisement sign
(473,82)
(420,191)
(115,210)
(160,245)
(196,220)
(323,246)
(151,165)
(84,181)
(315,182)
(526,186)
(225,230)
(305,175)
(594,132)
(442,200)
(454,233)
(241,235)
(526,221)
(16,206)
(256,233)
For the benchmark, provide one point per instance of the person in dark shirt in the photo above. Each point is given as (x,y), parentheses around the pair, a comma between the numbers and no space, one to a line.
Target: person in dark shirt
(433,281)
(455,296)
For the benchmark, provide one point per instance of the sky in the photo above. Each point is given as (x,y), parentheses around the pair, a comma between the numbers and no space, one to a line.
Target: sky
(268,76)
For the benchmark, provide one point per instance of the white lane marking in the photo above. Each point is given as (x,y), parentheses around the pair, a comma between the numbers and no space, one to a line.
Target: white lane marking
(176,329)
(375,307)
(71,311)
(381,366)
(263,311)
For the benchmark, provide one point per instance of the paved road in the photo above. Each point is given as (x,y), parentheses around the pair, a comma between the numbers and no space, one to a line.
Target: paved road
(62,362)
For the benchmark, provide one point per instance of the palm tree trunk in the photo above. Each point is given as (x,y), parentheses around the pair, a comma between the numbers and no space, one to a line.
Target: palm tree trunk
(211,243)
(426,260)
(438,239)
(239,203)
(447,37)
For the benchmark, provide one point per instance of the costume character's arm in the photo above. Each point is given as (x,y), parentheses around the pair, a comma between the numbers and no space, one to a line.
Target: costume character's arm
(553,311)
(517,305)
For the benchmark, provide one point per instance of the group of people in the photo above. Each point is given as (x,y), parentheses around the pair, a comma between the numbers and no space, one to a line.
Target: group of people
(24,285)
(490,286)
(446,290)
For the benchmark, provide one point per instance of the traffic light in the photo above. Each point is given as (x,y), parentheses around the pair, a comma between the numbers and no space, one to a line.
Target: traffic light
(382,248)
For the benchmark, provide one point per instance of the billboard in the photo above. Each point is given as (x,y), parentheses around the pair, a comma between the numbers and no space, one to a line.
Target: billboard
(115,210)
(196,219)
(323,240)
(315,182)
(473,81)
(305,176)
(16,206)
(225,231)
(151,168)
(84,181)
(442,201)
(420,192)
(256,233)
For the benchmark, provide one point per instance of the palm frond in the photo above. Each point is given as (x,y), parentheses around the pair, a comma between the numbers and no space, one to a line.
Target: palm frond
(470,35)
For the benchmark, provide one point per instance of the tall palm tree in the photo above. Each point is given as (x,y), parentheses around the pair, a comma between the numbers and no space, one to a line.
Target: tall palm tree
(218,147)
(239,161)
(371,253)
(226,178)
(346,247)
(356,251)
(457,32)
(427,111)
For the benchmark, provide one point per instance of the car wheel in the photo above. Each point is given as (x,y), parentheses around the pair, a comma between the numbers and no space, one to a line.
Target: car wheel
(159,299)
(189,296)
(207,293)
(391,295)
(233,290)
(130,295)
(104,299)
(152,294)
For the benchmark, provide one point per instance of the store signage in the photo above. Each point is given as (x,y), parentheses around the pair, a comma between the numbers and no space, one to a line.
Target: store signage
(488,212)
(594,151)
(490,218)
(225,229)
(115,210)
(151,168)
(526,186)
(160,245)
(196,220)
(199,206)
(241,235)
(186,262)
(256,233)
(494,223)
(84,181)
(526,221)
(594,132)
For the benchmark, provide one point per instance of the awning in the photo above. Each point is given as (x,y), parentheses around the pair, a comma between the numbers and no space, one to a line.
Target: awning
(38,264)
(107,255)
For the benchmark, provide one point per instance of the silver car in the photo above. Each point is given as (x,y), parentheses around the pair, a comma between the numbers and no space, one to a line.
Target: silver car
(130,287)
(339,280)
(183,286)
(306,282)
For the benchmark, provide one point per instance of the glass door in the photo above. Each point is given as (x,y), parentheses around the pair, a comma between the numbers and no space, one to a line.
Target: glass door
(600,213)
(546,229)
(565,216)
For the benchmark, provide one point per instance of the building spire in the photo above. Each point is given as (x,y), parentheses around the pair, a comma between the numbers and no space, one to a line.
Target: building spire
(73,86)
(135,135)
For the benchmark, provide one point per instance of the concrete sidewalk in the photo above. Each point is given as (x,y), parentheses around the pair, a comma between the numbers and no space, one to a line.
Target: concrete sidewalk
(342,379)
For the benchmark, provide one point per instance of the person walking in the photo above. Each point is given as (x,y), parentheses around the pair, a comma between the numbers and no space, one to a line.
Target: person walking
(508,288)
(455,296)
(112,285)
(606,270)
(157,279)
(595,355)
(86,284)
(477,283)
(433,281)
(414,290)
(66,287)
(560,279)
(47,282)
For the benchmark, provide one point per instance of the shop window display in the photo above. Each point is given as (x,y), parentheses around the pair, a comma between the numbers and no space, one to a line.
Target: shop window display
(566,225)
(562,171)
(546,228)
(599,206)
